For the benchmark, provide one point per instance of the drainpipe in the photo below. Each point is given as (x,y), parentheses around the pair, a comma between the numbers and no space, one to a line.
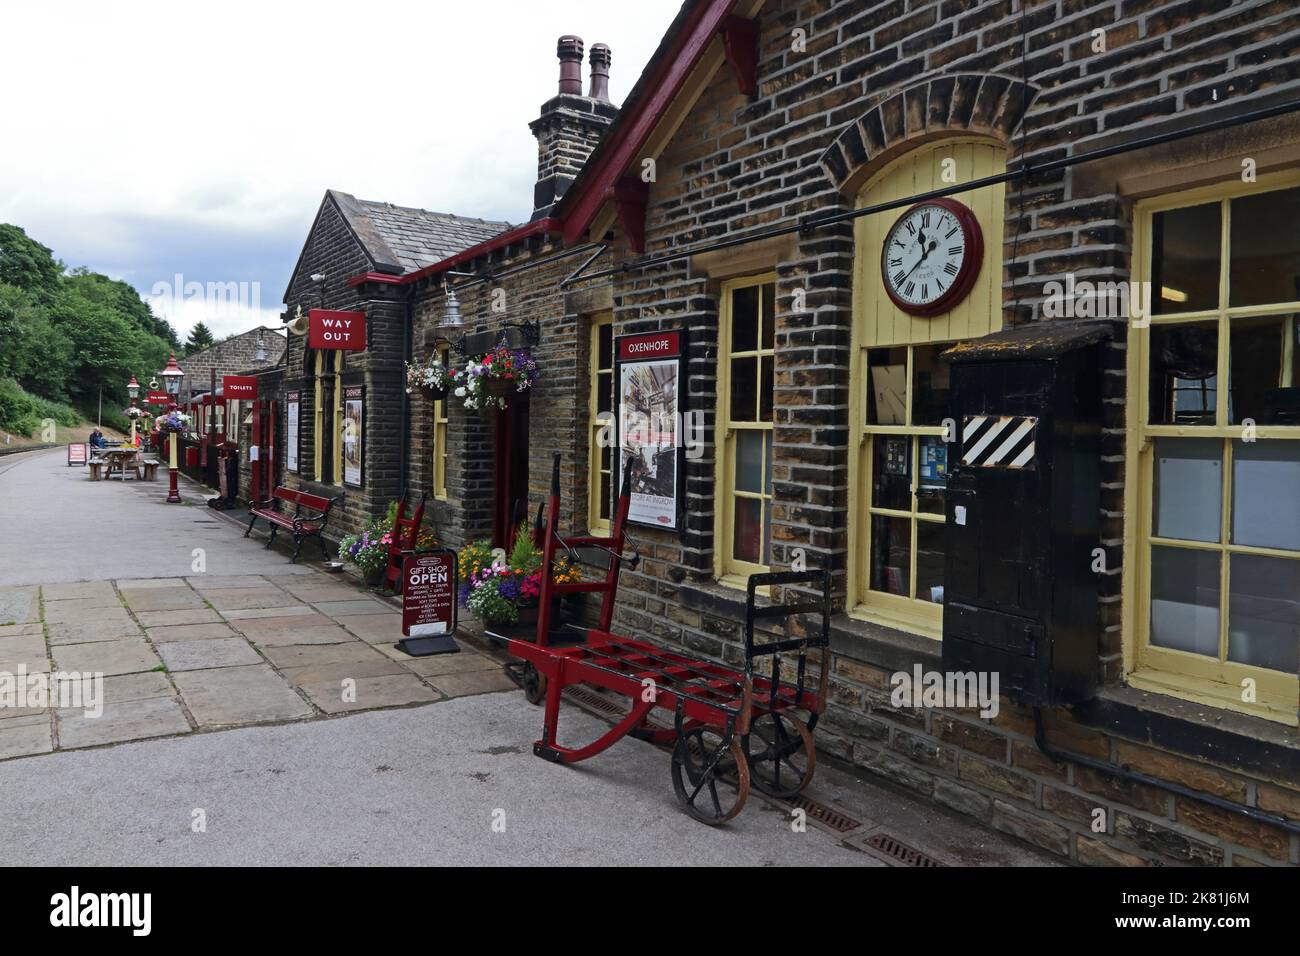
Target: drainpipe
(1123,773)
(408,332)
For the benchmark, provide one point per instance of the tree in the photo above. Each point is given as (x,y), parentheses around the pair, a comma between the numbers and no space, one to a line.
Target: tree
(200,338)
(27,264)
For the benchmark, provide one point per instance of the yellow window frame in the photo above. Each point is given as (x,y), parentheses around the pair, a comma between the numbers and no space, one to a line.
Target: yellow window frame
(728,569)
(599,376)
(440,425)
(879,324)
(1196,677)
(336,418)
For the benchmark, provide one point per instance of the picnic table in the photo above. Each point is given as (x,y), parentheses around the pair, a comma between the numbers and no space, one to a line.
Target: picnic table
(115,459)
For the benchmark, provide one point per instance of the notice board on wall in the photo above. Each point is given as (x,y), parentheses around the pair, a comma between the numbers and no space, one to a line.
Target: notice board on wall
(292,404)
(650,372)
(353,436)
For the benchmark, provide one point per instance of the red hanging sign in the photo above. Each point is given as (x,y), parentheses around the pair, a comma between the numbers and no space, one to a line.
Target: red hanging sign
(342,331)
(158,398)
(650,345)
(238,387)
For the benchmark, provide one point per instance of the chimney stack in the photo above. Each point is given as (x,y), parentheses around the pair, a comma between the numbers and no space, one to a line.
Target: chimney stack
(569,50)
(600,58)
(570,124)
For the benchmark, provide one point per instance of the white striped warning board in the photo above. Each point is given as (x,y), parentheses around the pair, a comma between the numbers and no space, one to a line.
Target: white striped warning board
(998,441)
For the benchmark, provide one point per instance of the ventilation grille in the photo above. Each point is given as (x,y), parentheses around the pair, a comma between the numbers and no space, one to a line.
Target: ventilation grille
(901,852)
(827,816)
(594,701)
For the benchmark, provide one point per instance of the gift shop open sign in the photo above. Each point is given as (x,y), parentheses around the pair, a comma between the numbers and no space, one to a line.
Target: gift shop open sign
(429,602)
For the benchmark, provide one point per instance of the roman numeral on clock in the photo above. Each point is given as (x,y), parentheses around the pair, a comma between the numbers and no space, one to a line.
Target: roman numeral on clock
(950,268)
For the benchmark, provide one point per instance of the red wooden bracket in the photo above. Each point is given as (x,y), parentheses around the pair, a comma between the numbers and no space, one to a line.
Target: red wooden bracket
(740,41)
(630,194)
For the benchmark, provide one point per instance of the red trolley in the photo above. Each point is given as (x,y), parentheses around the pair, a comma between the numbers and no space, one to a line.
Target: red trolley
(732,726)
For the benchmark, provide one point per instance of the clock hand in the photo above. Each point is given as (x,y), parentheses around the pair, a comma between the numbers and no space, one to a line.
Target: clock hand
(929,249)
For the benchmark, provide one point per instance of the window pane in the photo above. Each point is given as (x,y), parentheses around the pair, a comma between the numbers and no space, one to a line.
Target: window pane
(606,494)
(887,386)
(765,393)
(1185,600)
(748,530)
(1266,494)
(933,468)
(744,389)
(605,351)
(769,315)
(1263,378)
(1265,248)
(744,319)
(604,392)
(749,461)
(890,545)
(929,385)
(1264,612)
(767,459)
(1185,259)
(891,472)
(767,532)
(1184,362)
(1188,488)
(929,561)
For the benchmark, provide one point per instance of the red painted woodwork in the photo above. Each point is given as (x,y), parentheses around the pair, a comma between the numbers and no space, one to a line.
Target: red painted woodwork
(405,531)
(740,42)
(582,203)
(630,195)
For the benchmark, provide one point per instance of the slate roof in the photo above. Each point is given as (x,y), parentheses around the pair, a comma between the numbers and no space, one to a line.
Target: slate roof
(401,239)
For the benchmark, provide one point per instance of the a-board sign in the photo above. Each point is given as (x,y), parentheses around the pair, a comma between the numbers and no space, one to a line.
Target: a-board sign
(76,453)
(429,602)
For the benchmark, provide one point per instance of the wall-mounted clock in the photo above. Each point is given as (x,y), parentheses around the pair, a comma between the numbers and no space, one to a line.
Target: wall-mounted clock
(932,256)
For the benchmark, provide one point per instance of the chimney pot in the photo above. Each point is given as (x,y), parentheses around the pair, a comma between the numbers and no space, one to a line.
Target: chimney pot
(600,57)
(569,50)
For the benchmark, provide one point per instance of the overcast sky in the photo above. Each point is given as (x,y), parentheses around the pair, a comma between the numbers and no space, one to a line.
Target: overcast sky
(149,140)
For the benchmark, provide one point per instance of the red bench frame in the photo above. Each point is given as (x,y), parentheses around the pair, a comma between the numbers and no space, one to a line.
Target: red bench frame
(301,525)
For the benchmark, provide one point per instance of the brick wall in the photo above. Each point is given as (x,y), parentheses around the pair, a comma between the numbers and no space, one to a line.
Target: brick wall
(231,356)
(875,80)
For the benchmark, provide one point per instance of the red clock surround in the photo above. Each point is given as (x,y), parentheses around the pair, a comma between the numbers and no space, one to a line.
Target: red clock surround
(966,276)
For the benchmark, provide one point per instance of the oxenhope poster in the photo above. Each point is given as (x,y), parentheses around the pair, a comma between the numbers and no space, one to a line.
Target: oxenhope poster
(649,376)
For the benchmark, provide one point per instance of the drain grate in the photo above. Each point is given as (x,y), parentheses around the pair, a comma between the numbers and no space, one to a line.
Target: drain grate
(827,816)
(597,702)
(901,852)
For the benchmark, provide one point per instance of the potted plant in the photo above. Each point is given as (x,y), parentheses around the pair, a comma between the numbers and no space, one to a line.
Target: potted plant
(503,590)
(488,382)
(173,423)
(368,550)
(432,378)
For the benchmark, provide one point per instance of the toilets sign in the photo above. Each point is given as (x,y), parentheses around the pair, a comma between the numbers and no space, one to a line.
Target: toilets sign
(345,331)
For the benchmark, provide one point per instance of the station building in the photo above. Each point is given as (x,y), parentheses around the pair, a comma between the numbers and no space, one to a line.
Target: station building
(989,307)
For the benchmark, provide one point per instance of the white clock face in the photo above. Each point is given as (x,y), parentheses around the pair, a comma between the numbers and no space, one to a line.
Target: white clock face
(924,254)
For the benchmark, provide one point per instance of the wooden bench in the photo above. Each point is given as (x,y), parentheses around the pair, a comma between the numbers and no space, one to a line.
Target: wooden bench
(150,468)
(96,468)
(310,513)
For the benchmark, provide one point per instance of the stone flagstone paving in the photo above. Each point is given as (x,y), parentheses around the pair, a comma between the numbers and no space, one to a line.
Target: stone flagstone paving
(209,652)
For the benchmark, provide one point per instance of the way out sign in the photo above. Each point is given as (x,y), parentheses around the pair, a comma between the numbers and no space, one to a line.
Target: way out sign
(344,331)
(429,602)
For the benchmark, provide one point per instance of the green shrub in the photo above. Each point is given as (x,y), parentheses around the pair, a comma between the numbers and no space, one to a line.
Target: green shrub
(23,414)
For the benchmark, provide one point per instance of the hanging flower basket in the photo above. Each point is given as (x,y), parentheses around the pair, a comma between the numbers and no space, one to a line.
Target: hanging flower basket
(489,383)
(432,379)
